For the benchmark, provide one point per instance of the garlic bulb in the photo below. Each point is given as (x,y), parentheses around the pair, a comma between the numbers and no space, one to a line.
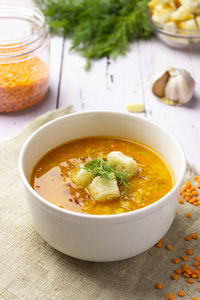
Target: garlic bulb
(174,86)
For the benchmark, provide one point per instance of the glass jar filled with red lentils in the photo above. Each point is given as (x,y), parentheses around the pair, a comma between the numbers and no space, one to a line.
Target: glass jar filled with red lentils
(24,57)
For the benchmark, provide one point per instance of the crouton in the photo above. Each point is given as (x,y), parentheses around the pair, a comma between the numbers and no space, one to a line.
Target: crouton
(122,163)
(193,6)
(188,25)
(103,189)
(181,14)
(83,178)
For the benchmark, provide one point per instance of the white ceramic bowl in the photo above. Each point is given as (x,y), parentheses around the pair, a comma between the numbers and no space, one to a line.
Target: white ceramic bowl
(94,237)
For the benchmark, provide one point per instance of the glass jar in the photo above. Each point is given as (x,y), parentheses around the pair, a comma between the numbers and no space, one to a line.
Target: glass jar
(24,57)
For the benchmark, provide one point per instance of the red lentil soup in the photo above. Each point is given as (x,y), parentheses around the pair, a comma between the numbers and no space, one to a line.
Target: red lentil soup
(51,177)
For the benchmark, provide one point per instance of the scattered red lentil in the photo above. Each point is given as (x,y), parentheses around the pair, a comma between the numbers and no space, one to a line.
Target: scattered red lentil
(176,260)
(188,184)
(181,294)
(190,193)
(194,236)
(190,280)
(197,258)
(188,238)
(184,267)
(194,193)
(169,247)
(190,252)
(180,200)
(189,215)
(186,275)
(184,257)
(170,296)
(158,285)
(192,196)
(159,245)
(196,264)
(175,276)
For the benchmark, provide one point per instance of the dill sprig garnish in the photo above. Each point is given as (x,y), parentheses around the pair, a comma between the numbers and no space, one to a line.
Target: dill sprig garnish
(98,28)
(98,167)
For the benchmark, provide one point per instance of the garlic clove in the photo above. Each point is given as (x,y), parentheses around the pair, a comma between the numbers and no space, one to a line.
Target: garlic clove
(158,87)
(135,107)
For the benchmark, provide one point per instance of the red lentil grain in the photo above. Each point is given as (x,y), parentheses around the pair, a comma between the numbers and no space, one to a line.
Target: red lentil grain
(170,296)
(169,247)
(181,294)
(180,201)
(184,257)
(196,264)
(197,258)
(190,280)
(158,285)
(194,236)
(175,260)
(175,276)
(190,252)
(189,215)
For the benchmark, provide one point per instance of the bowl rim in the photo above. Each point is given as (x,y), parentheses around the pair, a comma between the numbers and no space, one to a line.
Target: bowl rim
(173,32)
(124,217)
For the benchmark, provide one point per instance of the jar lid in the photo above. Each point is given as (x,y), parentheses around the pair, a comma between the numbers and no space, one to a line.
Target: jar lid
(26,31)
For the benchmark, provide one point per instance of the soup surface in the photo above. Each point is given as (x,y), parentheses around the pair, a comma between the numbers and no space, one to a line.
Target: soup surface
(52,176)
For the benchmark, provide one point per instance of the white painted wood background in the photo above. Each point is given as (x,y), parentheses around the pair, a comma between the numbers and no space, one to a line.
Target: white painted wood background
(109,85)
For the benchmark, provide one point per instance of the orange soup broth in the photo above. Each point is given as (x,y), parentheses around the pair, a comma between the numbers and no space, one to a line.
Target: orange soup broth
(52,176)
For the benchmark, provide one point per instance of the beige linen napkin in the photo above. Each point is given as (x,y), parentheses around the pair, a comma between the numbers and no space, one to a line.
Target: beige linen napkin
(31,269)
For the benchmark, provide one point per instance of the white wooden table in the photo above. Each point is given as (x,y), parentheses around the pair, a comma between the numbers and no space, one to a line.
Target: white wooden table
(109,85)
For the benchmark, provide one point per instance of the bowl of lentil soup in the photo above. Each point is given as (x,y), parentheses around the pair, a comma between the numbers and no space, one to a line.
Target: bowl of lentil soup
(76,219)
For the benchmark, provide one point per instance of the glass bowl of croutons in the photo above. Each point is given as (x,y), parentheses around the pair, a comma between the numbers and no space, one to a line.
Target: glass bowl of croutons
(176,22)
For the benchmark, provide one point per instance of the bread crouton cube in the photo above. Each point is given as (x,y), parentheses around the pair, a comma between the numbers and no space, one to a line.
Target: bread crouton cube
(181,14)
(122,163)
(83,178)
(188,25)
(103,189)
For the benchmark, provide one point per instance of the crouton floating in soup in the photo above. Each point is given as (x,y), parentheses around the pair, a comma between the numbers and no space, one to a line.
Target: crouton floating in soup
(122,163)
(102,175)
(82,178)
(102,189)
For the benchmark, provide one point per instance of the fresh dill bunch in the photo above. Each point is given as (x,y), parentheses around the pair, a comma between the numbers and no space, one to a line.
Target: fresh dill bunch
(98,167)
(98,28)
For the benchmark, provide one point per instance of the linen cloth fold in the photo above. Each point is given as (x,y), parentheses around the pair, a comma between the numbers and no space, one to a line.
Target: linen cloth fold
(31,269)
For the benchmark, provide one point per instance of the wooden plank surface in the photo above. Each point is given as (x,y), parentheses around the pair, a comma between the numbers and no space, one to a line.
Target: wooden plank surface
(182,121)
(109,85)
